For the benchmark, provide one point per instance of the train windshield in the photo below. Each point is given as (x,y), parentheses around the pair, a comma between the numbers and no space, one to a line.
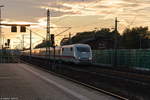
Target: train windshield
(83,49)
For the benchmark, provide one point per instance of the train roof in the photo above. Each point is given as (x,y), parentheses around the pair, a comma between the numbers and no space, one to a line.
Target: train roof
(58,47)
(76,45)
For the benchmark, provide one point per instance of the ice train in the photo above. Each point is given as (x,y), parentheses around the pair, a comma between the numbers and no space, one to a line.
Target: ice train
(76,53)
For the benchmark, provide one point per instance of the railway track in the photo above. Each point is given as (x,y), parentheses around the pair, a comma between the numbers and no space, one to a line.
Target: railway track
(136,77)
(81,83)
(100,79)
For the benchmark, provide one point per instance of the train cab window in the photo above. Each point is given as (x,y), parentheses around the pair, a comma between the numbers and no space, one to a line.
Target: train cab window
(83,49)
(62,49)
(71,49)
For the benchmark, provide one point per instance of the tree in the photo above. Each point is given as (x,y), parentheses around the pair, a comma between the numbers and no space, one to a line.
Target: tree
(43,44)
(135,38)
(104,36)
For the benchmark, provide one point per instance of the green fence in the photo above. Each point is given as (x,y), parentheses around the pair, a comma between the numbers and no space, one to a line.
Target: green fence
(129,58)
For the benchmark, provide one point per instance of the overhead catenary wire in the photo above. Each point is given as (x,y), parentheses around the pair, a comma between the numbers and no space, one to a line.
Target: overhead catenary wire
(36,33)
(95,2)
(134,19)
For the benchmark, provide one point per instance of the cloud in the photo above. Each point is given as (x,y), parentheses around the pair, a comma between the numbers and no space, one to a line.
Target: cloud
(32,8)
(82,15)
(108,8)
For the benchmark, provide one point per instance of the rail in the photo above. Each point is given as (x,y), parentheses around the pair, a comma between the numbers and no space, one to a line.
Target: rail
(124,84)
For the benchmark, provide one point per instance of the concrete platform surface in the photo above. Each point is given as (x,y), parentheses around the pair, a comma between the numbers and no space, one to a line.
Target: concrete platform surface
(25,82)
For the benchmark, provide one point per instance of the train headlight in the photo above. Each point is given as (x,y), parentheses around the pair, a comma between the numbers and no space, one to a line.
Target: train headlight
(90,58)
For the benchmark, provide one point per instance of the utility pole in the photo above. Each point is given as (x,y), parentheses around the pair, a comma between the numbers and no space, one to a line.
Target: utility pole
(23,42)
(48,34)
(1,47)
(116,32)
(70,42)
(1,27)
(30,42)
(115,42)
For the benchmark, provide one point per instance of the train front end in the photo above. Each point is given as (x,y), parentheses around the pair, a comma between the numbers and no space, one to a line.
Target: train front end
(83,54)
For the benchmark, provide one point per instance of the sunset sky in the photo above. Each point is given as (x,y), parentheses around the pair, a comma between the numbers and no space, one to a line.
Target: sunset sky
(81,15)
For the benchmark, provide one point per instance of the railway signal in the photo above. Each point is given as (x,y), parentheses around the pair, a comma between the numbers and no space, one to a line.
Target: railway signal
(8,42)
(53,40)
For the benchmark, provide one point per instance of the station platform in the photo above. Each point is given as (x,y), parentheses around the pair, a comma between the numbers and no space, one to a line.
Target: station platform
(25,82)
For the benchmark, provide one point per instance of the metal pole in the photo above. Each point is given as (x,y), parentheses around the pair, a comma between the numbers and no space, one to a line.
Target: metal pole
(140,43)
(116,26)
(22,42)
(116,42)
(30,42)
(0,30)
(48,33)
(54,54)
(48,36)
(1,33)
(70,38)
(1,27)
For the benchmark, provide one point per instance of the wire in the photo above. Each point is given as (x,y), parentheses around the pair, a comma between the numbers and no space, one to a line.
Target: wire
(134,19)
(36,33)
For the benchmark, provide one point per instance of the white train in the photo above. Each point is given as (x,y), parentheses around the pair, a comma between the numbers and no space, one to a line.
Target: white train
(76,53)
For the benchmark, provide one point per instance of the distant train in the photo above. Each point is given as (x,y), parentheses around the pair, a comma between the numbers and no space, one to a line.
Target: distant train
(76,53)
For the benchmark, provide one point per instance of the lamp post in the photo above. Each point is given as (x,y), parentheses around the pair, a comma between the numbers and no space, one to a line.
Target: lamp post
(1,27)
(0,35)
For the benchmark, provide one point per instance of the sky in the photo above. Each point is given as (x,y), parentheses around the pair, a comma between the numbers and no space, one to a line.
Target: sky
(80,15)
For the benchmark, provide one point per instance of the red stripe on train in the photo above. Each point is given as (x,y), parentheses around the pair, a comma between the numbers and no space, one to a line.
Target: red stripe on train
(65,56)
